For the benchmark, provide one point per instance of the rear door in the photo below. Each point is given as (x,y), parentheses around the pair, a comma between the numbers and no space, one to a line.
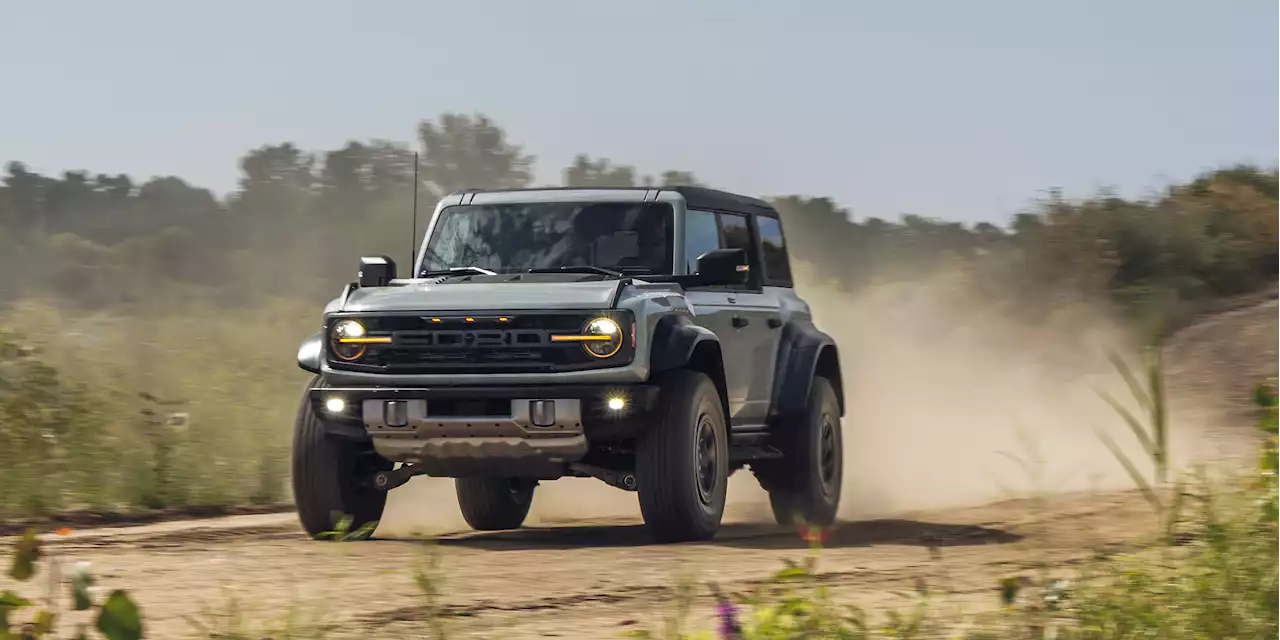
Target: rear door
(755,313)
(780,301)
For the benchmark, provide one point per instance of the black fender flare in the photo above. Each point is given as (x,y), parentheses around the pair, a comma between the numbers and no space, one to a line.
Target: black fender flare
(310,352)
(673,341)
(803,353)
(677,343)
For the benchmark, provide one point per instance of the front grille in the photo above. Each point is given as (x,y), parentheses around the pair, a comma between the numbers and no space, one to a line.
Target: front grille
(515,343)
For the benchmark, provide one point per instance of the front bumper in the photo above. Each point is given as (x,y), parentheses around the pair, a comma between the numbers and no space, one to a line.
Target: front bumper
(637,372)
(529,431)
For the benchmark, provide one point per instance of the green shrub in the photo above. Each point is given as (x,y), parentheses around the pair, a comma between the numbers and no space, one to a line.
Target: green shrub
(116,617)
(49,437)
(85,403)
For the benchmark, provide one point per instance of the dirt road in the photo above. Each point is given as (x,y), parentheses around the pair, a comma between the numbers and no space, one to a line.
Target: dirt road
(584,579)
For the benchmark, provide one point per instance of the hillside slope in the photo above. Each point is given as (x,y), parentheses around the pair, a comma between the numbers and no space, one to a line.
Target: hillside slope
(1217,360)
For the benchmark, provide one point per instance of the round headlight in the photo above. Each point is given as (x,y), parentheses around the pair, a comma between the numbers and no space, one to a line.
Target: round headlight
(606,337)
(346,329)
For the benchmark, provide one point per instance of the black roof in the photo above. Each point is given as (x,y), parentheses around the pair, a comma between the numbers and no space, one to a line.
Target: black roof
(696,197)
(704,198)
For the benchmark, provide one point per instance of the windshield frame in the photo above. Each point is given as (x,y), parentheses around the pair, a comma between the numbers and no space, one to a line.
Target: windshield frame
(619,197)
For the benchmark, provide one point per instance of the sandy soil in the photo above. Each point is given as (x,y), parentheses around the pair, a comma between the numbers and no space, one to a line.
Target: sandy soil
(583,579)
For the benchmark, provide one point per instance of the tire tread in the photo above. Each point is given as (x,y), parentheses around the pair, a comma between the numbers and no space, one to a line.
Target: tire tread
(318,466)
(793,482)
(664,481)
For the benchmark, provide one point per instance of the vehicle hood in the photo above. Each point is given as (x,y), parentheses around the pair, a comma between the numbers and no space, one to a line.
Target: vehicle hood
(469,296)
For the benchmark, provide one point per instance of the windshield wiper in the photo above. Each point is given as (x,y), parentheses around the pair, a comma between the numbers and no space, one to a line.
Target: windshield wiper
(458,271)
(578,269)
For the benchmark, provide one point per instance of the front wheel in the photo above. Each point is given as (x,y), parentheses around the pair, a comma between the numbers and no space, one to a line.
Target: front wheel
(329,476)
(682,461)
(804,486)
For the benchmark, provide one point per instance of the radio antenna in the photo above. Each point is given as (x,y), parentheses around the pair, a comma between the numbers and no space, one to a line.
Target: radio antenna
(413,237)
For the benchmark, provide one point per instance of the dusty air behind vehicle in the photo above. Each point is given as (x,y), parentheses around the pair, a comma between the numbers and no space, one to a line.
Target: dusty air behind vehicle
(647,337)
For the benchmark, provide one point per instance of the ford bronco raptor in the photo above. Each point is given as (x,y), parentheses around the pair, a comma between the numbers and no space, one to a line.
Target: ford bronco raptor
(647,337)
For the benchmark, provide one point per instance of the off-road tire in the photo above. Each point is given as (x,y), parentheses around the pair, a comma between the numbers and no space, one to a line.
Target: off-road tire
(680,498)
(494,504)
(329,475)
(804,486)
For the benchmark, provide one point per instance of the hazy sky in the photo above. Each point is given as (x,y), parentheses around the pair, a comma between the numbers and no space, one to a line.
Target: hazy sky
(961,110)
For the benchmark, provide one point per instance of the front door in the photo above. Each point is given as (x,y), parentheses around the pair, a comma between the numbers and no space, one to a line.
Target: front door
(717,310)
(739,316)
(754,315)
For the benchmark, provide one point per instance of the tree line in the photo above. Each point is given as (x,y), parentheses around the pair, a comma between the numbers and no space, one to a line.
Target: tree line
(298,220)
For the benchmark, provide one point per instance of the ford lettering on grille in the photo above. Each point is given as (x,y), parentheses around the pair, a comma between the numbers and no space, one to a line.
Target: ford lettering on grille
(515,343)
(475,338)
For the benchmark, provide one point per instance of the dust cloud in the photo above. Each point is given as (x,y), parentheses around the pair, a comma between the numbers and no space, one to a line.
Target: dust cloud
(953,400)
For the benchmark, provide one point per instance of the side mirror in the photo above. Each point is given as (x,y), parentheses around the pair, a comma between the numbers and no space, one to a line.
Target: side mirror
(723,266)
(376,271)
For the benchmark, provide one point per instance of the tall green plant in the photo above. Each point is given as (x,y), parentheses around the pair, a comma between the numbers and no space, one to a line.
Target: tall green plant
(1147,387)
(429,579)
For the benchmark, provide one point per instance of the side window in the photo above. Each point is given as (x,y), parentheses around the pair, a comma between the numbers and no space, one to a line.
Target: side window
(706,231)
(777,268)
(700,236)
(736,232)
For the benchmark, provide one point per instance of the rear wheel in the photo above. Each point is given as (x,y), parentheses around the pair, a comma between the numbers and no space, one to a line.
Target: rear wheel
(330,475)
(804,486)
(494,504)
(682,461)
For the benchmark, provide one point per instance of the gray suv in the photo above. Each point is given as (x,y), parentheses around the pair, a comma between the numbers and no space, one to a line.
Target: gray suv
(647,337)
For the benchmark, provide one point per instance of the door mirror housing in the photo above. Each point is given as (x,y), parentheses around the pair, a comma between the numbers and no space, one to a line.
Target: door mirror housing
(376,271)
(723,267)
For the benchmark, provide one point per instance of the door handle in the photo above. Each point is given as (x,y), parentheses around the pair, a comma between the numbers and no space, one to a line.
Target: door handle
(775,322)
(740,321)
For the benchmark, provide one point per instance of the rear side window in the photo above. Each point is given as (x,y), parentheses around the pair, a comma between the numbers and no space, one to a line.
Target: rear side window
(777,267)
(736,232)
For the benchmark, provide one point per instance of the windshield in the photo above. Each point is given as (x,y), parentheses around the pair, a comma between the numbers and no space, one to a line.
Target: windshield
(629,237)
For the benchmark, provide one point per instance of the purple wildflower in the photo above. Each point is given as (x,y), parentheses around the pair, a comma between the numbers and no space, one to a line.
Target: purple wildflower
(727,613)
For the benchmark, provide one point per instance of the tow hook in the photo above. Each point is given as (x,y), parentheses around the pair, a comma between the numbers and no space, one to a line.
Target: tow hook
(388,480)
